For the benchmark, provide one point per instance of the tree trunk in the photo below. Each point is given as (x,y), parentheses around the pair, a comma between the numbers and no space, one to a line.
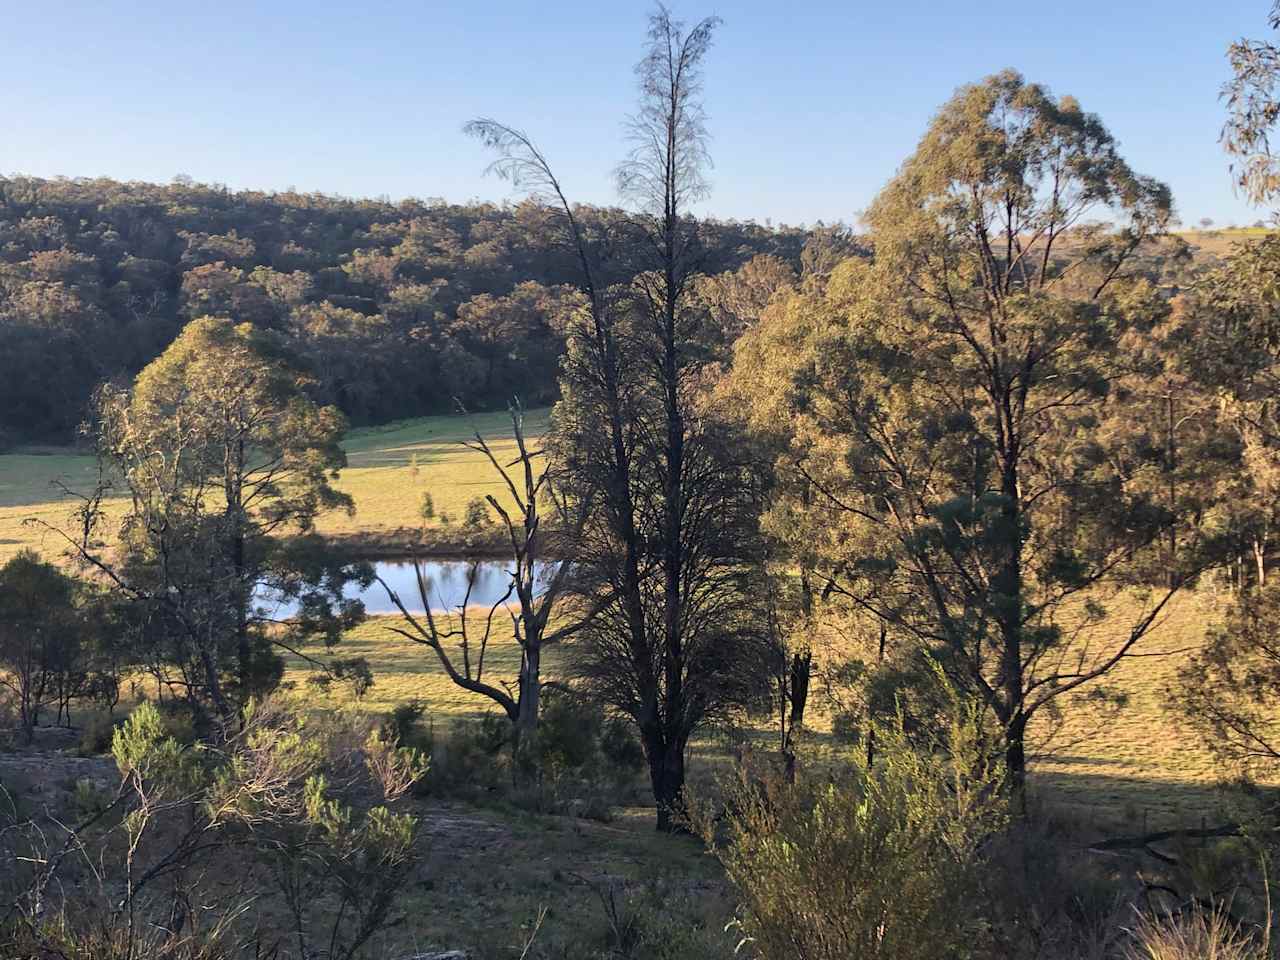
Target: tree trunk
(530,694)
(801,667)
(235,515)
(26,713)
(214,685)
(871,727)
(1171,462)
(666,774)
(1008,597)
(1016,759)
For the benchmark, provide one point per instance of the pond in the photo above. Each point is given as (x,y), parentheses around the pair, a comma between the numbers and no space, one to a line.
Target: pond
(446,582)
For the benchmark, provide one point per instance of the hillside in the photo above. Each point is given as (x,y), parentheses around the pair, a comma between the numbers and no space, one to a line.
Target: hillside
(393,308)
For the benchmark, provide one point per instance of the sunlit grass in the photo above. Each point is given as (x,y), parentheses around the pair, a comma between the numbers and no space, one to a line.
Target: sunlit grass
(390,468)
(405,671)
(1138,765)
(1141,763)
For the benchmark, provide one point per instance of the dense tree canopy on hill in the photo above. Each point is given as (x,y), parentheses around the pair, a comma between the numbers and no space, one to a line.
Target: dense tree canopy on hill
(395,308)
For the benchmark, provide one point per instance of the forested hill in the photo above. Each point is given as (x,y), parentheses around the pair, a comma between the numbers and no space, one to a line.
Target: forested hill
(395,308)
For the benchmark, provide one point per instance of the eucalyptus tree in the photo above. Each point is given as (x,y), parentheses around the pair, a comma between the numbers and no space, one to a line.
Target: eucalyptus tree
(1227,337)
(1230,335)
(225,462)
(664,561)
(41,634)
(1253,109)
(952,406)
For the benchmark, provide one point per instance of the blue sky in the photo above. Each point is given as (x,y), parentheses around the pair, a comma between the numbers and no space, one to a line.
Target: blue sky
(812,105)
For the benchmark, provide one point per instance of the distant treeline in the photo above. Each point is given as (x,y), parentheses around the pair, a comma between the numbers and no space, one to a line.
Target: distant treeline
(393,308)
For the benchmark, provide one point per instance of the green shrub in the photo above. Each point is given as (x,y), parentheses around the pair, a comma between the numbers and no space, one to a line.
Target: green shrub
(90,798)
(576,763)
(620,746)
(403,725)
(568,731)
(427,509)
(356,672)
(466,761)
(876,862)
(95,733)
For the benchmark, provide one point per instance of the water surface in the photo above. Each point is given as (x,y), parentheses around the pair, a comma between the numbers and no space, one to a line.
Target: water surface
(446,582)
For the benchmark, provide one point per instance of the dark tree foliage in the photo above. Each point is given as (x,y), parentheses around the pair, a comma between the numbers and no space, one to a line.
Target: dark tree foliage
(396,307)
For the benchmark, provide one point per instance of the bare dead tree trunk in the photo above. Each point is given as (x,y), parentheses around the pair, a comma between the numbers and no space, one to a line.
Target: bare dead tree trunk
(658,554)
(522,520)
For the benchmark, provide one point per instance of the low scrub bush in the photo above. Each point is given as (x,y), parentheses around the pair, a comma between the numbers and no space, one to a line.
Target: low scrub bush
(569,730)
(96,730)
(577,762)
(286,812)
(404,725)
(1200,933)
(466,760)
(620,746)
(877,862)
(581,763)
(1044,898)
(103,941)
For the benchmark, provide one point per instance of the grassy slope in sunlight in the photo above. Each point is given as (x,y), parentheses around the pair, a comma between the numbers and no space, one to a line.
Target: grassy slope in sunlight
(389,469)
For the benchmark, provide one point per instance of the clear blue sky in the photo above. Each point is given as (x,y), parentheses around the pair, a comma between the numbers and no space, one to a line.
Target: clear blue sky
(812,103)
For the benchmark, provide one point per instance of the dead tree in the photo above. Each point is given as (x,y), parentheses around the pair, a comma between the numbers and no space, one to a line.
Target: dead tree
(529,600)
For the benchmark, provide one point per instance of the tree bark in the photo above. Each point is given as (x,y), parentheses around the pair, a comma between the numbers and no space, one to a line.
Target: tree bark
(530,694)
(666,775)
(801,668)
(1008,595)
(1016,758)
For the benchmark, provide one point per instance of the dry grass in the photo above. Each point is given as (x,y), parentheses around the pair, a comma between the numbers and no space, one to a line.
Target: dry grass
(1140,764)
(1202,934)
(390,468)
(1219,243)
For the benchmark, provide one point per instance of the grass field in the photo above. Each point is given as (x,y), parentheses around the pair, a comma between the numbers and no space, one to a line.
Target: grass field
(389,469)
(1139,765)
(1218,243)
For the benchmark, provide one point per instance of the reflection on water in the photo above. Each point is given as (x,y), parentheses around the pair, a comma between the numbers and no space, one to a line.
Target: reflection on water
(446,582)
